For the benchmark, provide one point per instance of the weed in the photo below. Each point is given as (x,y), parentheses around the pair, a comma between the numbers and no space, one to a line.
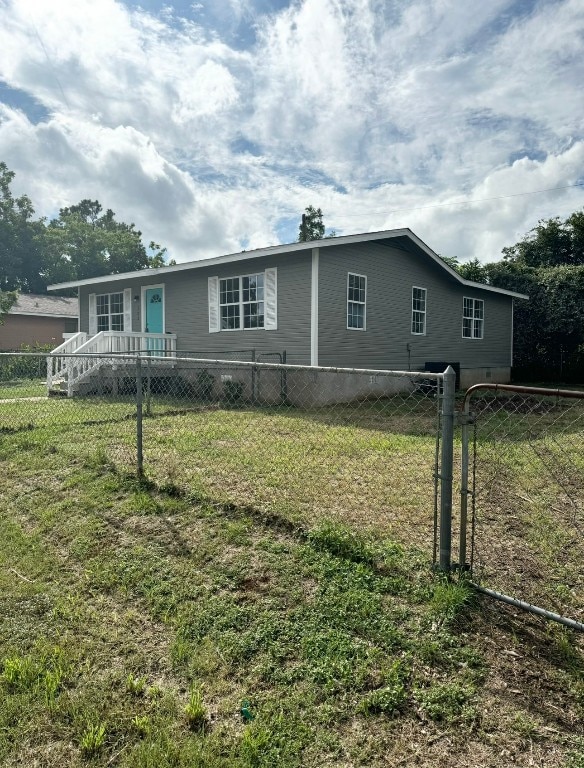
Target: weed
(136,685)
(343,542)
(92,739)
(195,710)
(142,503)
(52,682)
(565,647)
(142,725)
(445,702)
(254,743)
(524,725)
(389,699)
(19,673)
(27,673)
(576,755)
(449,600)
(99,461)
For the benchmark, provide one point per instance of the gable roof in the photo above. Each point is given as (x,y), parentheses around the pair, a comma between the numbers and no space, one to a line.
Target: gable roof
(401,238)
(44,306)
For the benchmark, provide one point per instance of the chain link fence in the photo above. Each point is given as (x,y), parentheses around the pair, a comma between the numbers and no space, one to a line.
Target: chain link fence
(290,442)
(523,486)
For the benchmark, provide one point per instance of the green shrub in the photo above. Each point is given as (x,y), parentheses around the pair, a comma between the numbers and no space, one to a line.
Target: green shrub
(232,392)
(25,366)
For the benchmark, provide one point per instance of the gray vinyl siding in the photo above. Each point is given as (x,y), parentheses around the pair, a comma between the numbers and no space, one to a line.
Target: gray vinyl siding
(187,313)
(391,273)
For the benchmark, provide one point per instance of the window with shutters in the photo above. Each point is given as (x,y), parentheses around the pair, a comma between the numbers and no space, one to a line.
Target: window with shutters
(473,318)
(241,302)
(109,309)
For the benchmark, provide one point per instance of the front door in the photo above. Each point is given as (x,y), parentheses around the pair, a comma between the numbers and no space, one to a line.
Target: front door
(154,316)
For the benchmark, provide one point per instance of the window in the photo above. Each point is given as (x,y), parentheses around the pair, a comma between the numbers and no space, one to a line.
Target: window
(418,310)
(473,318)
(356,297)
(241,302)
(109,308)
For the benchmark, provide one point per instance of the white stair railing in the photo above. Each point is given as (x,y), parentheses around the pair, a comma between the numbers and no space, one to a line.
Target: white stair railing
(86,358)
(80,366)
(56,364)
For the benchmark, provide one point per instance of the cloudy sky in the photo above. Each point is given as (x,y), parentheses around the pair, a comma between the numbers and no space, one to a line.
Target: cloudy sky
(211,125)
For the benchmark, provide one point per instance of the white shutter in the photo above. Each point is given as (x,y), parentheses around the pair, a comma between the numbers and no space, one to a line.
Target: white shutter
(214,326)
(271,299)
(92,315)
(128,310)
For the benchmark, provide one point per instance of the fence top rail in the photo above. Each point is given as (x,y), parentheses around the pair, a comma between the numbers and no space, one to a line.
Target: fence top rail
(151,356)
(543,391)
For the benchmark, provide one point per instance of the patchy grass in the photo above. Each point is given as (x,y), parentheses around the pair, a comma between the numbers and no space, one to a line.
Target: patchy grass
(23,388)
(176,622)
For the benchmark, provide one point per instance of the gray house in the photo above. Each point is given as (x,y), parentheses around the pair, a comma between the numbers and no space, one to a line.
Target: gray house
(381,300)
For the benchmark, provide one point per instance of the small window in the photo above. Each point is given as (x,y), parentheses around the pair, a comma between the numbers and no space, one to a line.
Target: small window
(241,302)
(473,318)
(356,298)
(110,311)
(418,310)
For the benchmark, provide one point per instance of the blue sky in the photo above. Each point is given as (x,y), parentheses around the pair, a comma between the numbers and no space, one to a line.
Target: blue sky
(212,125)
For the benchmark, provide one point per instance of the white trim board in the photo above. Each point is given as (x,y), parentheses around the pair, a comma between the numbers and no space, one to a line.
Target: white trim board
(314,308)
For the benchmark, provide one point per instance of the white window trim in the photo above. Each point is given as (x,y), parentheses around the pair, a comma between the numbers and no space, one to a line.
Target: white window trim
(472,337)
(419,288)
(109,315)
(143,290)
(241,302)
(364,303)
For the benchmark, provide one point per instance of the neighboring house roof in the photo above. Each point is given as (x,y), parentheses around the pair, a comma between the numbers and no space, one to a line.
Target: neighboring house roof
(403,238)
(44,306)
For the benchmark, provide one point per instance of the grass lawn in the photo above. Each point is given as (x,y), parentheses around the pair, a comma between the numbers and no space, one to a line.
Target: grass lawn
(255,602)
(23,388)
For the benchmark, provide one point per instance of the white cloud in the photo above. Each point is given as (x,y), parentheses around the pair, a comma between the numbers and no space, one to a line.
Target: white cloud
(359,106)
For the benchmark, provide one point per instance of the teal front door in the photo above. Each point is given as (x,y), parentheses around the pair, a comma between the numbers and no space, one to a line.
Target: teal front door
(154,317)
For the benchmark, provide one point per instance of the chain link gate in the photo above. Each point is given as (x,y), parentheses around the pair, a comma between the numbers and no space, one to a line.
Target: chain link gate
(522,498)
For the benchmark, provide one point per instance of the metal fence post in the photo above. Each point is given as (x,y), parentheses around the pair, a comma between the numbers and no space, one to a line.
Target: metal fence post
(464,463)
(446,469)
(140,457)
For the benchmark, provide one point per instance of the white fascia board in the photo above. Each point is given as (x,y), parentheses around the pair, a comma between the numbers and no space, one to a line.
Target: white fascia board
(280,250)
(504,291)
(470,283)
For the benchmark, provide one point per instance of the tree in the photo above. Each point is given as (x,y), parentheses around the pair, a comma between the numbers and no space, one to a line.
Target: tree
(82,242)
(85,243)
(547,264)
(551,244)
(20,253)
(7,299)
(471,270)
(312,225)
(157,257)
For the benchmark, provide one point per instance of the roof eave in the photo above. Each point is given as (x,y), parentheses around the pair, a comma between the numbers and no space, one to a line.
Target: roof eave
(235,257)
(43,314)
(290,248)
